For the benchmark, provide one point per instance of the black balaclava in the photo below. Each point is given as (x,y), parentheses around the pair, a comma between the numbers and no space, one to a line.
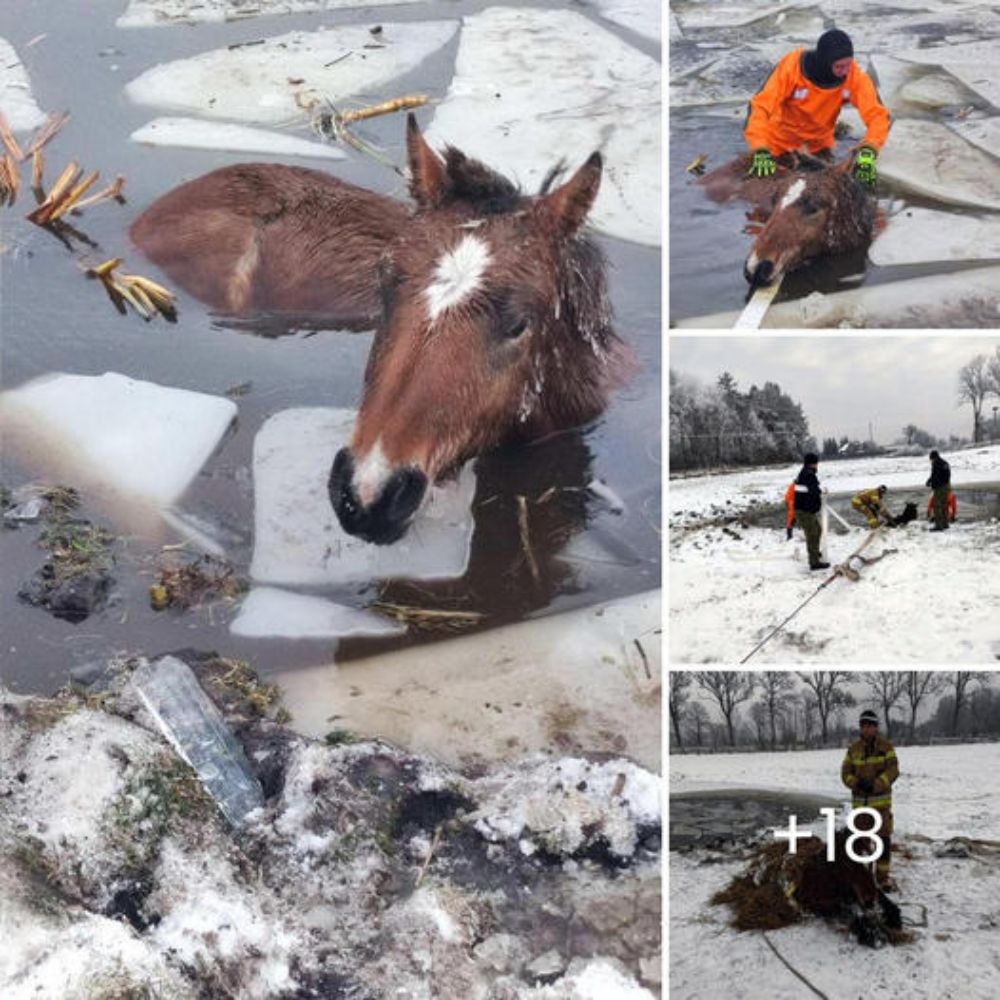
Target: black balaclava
(816,64)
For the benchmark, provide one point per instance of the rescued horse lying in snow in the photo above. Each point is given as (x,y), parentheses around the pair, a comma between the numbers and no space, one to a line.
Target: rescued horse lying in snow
(804,211)
(490,307)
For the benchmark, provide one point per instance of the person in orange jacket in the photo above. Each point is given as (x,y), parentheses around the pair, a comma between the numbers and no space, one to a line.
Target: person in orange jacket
(790,506)
(801,99)
(951,508)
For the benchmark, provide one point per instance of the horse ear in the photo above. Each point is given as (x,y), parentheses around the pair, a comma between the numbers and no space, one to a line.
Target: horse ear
(428,177)
(571,202)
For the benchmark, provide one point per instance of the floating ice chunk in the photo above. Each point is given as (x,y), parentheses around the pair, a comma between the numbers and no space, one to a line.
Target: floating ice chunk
(728,77)
(640,16)
(935,90)
(153,13)
(270,612)
(928,159)
(981,132)
(195,728)
(193,133)
(135,438)
(598,93)
(16,102)
(268,83)
(729,15)
(919,235)
(298,539)
(891,75)
(974,63)
(967,299)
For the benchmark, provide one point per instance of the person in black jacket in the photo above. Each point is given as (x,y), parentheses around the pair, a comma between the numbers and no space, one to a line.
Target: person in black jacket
(940,483)
(808,501)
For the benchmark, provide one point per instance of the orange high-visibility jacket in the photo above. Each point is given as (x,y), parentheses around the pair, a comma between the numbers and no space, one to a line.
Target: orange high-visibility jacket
(951,508)
(790,504)
(789,110)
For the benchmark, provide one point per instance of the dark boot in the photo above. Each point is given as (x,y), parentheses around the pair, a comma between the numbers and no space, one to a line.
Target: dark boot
(819,565)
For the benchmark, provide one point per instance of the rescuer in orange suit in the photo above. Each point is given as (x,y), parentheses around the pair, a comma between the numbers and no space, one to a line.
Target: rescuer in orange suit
(801,99)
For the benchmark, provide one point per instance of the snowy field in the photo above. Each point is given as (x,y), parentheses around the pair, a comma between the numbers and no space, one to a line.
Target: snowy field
(942,792)
(934,599)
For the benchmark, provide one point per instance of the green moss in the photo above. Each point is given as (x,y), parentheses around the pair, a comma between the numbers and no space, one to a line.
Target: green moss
(340,737)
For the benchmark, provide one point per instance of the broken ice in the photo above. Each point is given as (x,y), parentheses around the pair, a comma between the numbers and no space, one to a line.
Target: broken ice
(192,133)
(298,539)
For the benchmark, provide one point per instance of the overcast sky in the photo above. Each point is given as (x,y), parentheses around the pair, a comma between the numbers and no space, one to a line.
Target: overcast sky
(843,382)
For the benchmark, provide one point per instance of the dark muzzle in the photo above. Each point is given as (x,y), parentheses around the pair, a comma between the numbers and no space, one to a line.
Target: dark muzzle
(386,519)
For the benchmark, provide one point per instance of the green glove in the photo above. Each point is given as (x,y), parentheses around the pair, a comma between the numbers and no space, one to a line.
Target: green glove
(762,165)
(865,170)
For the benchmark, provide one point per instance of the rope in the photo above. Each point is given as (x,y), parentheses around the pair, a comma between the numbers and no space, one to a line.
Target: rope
(839,570)
(791,968)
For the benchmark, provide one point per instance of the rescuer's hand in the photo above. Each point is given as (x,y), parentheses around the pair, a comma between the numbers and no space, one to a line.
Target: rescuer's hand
(865,170)
(762,164)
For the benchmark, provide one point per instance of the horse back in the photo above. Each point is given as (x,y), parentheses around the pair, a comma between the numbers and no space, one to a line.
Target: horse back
(268,237)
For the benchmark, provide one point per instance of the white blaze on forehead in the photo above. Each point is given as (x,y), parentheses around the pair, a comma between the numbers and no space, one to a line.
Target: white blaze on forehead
(458,275)
(371,475)
(792,194)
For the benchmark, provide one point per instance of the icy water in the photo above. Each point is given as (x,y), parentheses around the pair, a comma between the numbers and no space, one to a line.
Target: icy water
(52,319)
(715,818)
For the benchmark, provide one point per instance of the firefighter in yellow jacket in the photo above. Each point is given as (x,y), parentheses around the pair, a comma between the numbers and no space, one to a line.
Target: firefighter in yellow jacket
(869,770)
(870,504)
(801,99)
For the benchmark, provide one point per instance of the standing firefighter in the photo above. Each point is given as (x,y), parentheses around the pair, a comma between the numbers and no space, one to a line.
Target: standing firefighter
(808,501)
(869,769)
(940,483)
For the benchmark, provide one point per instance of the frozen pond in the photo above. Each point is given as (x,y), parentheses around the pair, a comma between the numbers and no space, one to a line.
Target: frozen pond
(596,536)
(931,65)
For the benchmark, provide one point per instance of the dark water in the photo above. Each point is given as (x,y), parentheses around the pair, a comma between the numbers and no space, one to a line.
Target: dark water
(713,819)
(52,319)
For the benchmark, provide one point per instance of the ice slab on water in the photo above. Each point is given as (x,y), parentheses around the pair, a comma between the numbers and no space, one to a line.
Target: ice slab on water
(269,612)
(935,91)
(928,159)
(195,728)
(192,133)
(152,13)
(981,132)
(640,16)
(532,87)
(269,83)
(135,438)
(919,235)
(729,15)
(16,102)
(974,63)
(298,540)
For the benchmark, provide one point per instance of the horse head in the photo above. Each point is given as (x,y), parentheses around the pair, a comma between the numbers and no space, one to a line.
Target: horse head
(495,326)
(817,212)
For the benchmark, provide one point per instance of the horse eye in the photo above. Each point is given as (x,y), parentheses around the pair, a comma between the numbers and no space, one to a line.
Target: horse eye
(514,330)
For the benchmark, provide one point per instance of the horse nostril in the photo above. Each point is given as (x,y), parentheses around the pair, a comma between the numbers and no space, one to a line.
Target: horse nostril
(764,273)
(403,494)
(338,484)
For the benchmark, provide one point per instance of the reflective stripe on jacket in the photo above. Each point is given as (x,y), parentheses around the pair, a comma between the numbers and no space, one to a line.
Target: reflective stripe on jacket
(875,761)
(790,109)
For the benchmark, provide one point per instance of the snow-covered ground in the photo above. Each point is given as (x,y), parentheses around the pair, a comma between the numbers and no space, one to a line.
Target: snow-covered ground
(934,599)
(942,792)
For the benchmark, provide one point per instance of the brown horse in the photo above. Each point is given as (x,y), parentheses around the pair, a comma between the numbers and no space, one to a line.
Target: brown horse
(491,310)
(808,209)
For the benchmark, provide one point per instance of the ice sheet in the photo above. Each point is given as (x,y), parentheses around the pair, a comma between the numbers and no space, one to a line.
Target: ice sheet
(132,437)
(918,235)
(195,134)
(532,87)
(640,16)
(153,13)
(269,83)
(298,540)
(16,102)
(269,612)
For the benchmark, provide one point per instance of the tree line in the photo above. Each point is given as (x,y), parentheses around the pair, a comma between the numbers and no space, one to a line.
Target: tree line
(774,710)
(979,381)
(712,426)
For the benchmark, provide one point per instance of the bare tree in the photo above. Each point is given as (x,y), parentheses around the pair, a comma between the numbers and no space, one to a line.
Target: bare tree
(729,688)
(828,695)
(959,681)
(917,685)
(699,723)
(775,688)
(680,682)
(886,687)
(974,385)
